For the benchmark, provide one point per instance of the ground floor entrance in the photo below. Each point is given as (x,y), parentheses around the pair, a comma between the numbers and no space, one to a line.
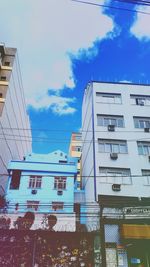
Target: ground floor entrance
(138,252)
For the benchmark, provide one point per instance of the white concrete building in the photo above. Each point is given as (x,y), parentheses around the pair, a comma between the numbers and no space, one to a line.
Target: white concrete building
(116,153)
(15,133)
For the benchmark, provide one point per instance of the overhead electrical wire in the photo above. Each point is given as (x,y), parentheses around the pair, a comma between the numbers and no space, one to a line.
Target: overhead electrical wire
(111,7)
(68,130)
(51,140)
(82,176)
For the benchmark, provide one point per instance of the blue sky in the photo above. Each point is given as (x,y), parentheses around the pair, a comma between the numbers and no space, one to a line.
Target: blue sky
(62,45)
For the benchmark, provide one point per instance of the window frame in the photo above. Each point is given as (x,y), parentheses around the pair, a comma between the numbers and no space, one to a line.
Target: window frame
(146,176)
(139,120)
(112,145)
(115,175)
(35,182)
(59,205)
(102,119)
(60,182)
(33,205)
(136,98)
(143,147)
(112,98)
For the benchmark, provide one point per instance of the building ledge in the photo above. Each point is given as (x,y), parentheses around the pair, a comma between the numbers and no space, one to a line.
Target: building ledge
(6,68)
(6,83)
(2,100)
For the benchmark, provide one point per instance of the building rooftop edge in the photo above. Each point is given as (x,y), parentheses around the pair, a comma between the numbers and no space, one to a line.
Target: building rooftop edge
(38,162)
(127,83)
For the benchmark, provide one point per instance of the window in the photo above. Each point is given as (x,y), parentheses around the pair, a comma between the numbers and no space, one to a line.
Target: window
(108,98)
(105,120)
(146,173)
(115,175)
(140,100)
(77,137)
(76,148)
(140,122)
(57,206)
(35,181)
(143,148)
(112,146)
(60,183)
(15,179)
(33,205)
(6,63)
(3,78)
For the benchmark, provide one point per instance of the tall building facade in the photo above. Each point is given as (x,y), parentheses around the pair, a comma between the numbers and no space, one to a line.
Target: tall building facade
(15,133)
(116,169)
(75,150)
(44,185)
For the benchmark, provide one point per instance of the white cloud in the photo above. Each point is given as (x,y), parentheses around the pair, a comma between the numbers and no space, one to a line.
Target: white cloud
(58,104)
(141,27)
(125,81)
(45,32)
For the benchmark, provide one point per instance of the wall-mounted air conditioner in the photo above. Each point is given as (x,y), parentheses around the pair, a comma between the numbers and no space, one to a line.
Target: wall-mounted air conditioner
(60,192)
(139,102)
(34,192)
(113,156)
(116,187)
(111,128)
(146,129)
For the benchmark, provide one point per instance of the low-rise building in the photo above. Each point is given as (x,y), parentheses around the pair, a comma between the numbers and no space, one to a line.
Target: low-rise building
(43,184)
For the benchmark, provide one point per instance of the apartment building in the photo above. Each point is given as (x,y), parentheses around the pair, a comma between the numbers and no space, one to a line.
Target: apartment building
(75,150)
(44,185)
(15,133)
(116,169)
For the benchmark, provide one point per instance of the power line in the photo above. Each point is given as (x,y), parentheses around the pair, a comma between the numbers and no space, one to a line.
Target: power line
(112,7)
(51,140)
(68,130)
(72,176)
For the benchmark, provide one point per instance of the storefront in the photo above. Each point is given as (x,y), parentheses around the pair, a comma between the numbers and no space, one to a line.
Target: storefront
(136,237)
(125,232)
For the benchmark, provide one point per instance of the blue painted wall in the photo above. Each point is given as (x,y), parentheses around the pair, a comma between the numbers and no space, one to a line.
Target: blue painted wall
(41,166)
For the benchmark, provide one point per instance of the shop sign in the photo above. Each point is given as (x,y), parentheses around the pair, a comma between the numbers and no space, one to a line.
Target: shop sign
(136,210)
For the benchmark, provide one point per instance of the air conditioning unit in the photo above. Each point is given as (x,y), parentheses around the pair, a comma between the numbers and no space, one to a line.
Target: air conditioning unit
(111,128)
(34,192)
(140,102)
(116,187)
(60,192)
(113,156)
(146,129)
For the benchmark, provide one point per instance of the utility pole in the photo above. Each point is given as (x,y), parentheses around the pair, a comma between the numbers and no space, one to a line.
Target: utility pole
(102,236)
